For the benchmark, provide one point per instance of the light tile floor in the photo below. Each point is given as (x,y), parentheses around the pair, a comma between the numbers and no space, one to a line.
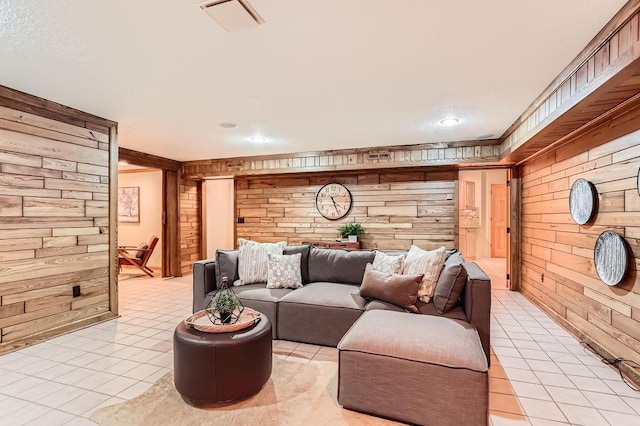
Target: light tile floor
(543,376)
(540,375)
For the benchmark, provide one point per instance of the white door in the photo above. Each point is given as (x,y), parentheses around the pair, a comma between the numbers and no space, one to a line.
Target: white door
(218,215)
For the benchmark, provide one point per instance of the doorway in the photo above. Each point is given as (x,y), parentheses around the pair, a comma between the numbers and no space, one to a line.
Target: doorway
(147,184)
(482,221)
(218,215)
(169,207)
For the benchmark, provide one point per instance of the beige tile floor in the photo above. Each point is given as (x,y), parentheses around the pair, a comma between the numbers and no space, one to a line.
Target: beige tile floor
(543,377)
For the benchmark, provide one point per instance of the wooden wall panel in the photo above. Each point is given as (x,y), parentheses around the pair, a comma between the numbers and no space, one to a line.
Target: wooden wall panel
(395,210)
(190,239)
(558,270)
(55,228)
(603,76)
(444,154)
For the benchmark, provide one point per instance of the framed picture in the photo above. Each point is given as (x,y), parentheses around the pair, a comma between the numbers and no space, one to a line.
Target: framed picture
(129,204)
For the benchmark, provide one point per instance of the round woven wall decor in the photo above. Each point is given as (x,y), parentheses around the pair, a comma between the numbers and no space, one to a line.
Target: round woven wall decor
(610,257)
(582,201)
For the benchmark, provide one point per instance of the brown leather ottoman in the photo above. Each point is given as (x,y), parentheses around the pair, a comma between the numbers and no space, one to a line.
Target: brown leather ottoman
(221,367)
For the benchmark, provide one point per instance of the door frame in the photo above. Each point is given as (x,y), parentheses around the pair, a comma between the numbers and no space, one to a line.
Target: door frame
(170,205)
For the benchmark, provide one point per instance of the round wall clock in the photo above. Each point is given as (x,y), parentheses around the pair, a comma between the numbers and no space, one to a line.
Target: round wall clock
(333,201)
(582,201)
(610,257)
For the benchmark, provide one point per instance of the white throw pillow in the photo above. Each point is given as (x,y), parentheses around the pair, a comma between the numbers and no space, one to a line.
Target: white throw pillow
(284,271)
(387,263)
(430,264)
(252,260)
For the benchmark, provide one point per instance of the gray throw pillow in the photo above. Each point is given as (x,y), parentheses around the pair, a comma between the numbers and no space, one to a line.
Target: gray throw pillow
(226,266)
(450,284)
(141,250)
(304,250)
(401,290)
(337,265)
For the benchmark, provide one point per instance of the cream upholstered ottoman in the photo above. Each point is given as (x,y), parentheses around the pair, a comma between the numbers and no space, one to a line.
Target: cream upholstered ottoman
(420,369)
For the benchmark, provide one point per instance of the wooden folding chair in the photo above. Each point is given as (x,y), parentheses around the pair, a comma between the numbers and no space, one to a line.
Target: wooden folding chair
(127,258)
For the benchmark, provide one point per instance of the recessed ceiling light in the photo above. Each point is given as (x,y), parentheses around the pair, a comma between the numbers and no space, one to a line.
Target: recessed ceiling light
(228,125)
(449,121)
(257,139)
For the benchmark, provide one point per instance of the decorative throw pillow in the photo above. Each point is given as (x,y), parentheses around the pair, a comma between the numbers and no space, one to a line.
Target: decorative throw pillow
(284,271)
(452,280)
(252,260)
(430,264)
(226,265)
(141,250)
(401,290)
(387,263)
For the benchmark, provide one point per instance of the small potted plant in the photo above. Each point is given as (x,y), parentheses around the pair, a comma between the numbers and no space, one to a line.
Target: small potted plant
(351,230)
(225,302)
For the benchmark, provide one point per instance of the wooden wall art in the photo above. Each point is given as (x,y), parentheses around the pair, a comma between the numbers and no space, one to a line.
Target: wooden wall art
(582,201)
(610,257)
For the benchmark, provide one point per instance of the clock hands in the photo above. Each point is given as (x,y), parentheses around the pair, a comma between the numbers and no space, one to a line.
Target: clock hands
(335,205)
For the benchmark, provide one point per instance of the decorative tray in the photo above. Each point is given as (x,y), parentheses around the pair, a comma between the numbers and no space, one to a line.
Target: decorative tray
(201,322)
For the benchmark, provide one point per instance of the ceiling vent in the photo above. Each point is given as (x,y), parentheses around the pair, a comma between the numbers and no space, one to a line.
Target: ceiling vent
(232,14)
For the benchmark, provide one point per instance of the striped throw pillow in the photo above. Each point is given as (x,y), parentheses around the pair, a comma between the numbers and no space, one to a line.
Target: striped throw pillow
(253,265)
(430,264)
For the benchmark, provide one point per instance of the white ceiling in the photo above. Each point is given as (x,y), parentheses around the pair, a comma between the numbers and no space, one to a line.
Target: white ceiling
(316,75)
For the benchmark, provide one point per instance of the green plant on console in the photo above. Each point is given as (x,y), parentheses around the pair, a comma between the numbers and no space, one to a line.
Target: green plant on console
(225,302)
(351,228)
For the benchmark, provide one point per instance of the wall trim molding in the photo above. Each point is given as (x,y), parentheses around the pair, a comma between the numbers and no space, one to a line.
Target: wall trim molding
(468,153)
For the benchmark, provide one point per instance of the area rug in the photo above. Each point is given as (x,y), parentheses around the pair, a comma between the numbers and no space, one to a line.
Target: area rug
(295,394)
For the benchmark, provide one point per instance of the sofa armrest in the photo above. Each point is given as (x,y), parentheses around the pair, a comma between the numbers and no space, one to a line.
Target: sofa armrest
(477,303)
(204,281)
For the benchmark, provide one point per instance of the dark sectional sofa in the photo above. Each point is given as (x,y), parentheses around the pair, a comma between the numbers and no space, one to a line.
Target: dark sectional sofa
(415,348)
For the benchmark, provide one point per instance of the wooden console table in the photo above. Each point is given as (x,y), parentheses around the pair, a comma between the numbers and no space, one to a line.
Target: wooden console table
(336,244)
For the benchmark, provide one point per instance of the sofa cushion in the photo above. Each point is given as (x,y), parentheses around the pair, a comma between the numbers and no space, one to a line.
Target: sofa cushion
(387,263)
(450,284)
(261,292)
(252,260)
(338,266)
(284,271)
(327,294)
(226,265)
(421,338)
(141,250)
(263,300)
(423,308)
(304,250)
(430,264)
(401,290)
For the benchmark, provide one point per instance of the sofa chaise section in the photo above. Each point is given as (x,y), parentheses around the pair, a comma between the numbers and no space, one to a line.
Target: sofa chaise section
(420,369)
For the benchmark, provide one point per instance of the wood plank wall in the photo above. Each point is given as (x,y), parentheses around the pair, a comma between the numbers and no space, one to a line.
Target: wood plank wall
(554,245)
(395,209)
(54,221)
(190,224)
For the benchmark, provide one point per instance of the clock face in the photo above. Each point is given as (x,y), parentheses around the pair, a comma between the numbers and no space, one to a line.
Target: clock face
(333,201)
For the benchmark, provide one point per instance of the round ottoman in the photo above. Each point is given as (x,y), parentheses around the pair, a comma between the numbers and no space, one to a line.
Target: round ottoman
(220,367)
